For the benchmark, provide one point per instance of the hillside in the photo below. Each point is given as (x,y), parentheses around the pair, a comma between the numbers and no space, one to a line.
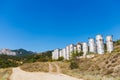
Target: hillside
(14,58)
(26,57)
(100,67)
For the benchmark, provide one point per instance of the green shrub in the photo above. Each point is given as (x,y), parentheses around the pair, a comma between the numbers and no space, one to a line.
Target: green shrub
(117,42)
(74,65)
(76,54)
(61,58)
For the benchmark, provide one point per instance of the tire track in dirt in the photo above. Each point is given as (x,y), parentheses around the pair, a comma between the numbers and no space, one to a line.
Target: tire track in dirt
(50,68)
(57,67)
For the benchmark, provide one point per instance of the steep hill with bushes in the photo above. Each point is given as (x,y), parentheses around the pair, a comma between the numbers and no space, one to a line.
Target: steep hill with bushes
(100,67)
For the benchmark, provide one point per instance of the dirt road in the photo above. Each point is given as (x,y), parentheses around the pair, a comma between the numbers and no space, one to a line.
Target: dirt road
(19,74)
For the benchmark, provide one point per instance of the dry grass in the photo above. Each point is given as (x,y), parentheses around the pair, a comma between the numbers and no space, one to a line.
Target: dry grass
(87,76)
(54,67)
(5,73)
(100,67)
(35,67)
(83,75)
(64,66)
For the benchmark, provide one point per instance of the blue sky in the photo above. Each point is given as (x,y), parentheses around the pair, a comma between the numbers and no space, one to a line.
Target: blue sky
(41,25)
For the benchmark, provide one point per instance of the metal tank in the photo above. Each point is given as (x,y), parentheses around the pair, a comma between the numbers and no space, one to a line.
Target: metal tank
(53,55)
(64,53)
(109,43)
(100,44)
(75,48)
(71,48)
(92,45)
(85,48)
(56,53)
(61,53)
(79,47)
(67,52)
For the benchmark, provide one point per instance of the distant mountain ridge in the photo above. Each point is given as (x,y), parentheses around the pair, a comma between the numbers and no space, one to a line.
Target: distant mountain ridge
(16,52)
(22,52)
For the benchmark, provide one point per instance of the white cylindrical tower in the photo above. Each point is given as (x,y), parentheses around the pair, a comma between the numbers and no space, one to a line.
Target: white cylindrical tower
(100,44)
(67,52)
(56,53)
(92,45)
(79,47)
(61,53)
(64,53)
(75,48)
(71,48)
(53,55)
(85,48)
(109,43)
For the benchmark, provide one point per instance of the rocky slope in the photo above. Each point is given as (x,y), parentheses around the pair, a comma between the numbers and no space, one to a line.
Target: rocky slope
(17,52)
(7,52)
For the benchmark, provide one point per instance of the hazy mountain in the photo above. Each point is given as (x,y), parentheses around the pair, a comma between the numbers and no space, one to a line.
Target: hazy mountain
(7,52)
(22,52)
(16,52)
